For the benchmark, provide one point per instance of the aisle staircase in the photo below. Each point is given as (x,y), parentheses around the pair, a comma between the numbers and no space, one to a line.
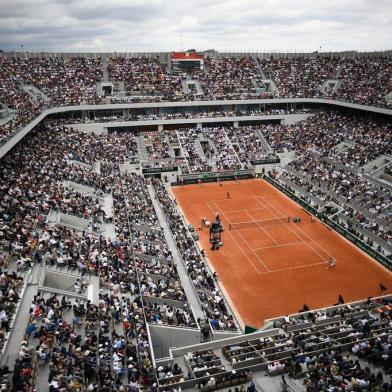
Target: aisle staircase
(141,149)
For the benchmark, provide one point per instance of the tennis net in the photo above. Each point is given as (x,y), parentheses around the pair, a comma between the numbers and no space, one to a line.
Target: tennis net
(257,223)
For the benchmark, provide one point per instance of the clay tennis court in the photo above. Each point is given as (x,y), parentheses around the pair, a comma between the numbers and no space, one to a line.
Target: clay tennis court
(273,268)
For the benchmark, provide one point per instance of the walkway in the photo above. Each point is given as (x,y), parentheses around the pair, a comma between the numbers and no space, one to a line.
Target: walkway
(185,279)
(20,323)
(105,73)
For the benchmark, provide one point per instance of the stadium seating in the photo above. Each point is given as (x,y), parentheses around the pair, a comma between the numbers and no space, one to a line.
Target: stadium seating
(76,203)
(67,81)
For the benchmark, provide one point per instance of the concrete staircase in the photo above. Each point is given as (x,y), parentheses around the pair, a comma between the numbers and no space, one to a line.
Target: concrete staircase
(141,149)
(199,149)
(192,87)
(35,93)
(388,98)
(57,218)
(261,70)
(376,167)
(343,146)
(268,148)
(80,164)
(121,87)
(330,86)
(270,85)
(105,73)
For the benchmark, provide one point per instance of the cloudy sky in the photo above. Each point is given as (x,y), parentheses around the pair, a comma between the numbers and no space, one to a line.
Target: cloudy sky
(225,25)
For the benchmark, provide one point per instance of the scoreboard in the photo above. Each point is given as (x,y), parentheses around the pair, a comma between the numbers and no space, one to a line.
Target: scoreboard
(186,61)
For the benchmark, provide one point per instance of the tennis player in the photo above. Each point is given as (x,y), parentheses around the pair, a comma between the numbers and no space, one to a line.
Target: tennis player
(331,263)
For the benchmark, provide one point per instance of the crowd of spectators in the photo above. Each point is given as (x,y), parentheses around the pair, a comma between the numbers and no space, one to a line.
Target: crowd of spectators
(195,160)
(15,98)
(241,77)
(82,349)
(157,145)
(250,144)
(169,315)
(365,80)
(11,285)
(298,77)
(293,182)
(363,216)
(61,81)
(203,280)
(65,81)
(323,174)
(224,154)
(55,155)
(368,137)
(25,233)
(145,78)
(208,149)
(237,77)
(149,248)
(72,81)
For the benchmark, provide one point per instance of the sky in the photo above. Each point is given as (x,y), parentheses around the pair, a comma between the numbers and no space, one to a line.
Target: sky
(224,25)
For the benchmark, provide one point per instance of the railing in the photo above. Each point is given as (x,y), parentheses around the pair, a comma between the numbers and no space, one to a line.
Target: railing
(214,53)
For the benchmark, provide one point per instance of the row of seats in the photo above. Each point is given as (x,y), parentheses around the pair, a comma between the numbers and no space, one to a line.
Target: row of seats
(203,281)
(72,81)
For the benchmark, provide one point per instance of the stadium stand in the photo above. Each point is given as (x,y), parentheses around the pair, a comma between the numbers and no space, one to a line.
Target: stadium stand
(90,280)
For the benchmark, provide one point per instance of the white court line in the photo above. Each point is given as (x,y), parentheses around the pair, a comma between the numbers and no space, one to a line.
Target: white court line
(307,243)
(303,231)
(242,199)
(274,246)
(251,217)
(242,240)
(228,231)
(251,209)
(233,198)
(297,267)
(247,243)
(250,247)
(277,245)
(251,262)
(329,254)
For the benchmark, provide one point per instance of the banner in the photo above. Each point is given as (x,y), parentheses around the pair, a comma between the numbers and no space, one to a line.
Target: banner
(265,161)
(155,170)
(213,176)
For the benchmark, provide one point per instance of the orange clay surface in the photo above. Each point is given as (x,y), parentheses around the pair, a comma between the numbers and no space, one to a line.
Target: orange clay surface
(273,270)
